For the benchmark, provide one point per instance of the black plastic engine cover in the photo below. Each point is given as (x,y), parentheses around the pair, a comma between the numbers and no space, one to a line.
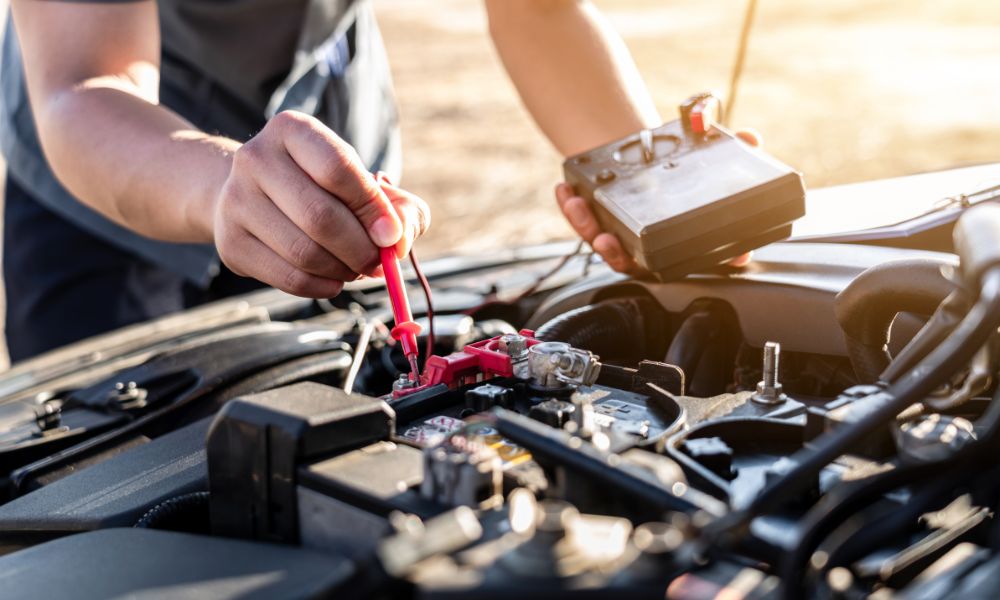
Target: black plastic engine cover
(143,563)
(114,493)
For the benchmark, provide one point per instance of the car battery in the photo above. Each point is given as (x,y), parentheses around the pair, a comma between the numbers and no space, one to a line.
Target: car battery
(688,195)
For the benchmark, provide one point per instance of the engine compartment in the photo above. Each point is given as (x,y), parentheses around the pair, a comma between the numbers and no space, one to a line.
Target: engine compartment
(819,424)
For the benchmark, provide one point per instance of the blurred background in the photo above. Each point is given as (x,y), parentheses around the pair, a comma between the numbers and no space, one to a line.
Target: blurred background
(844,91)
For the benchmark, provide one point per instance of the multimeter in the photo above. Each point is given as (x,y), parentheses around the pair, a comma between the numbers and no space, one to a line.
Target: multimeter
(688,195)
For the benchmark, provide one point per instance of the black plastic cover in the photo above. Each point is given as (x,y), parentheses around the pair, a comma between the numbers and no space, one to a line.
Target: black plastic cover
(143,563)
(701,199)
(114,493)
(256,443)
(345,501)
(379,479)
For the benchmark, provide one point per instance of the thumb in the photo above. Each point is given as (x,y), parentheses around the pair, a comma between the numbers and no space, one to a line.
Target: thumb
(750,136)
(386,229)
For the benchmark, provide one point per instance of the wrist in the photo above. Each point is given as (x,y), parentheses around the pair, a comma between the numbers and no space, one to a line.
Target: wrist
(201,206)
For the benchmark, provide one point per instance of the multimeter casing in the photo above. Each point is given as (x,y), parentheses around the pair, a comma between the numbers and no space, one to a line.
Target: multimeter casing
(699,198)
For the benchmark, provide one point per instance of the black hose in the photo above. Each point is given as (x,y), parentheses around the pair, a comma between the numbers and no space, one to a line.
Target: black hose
(705,347)
(620,328)
(940,490)
(845,500)
(970,335)
(831,510)
(944,320)
(187,512)
(867,306)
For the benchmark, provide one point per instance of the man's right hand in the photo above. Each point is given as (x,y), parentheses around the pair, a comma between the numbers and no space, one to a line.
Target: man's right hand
(300,212)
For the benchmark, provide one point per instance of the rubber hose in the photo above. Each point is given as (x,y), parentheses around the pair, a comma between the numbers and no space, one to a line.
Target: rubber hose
(613,329)
(187,512)
(866,307)
(690,341)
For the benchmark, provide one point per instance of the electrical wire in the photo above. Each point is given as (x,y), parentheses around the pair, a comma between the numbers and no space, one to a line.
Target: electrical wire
(548,274)
(428,296)
(492,301)
(741,52)
(844,501)
(359,352)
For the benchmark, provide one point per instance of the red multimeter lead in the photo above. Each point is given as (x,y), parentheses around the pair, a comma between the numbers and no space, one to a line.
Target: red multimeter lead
(406,329)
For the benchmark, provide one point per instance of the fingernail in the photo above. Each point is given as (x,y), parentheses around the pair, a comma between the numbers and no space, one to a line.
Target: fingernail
(404,245)
(385,231)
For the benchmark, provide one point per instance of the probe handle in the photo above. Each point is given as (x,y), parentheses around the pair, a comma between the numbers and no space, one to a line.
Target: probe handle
(406,329)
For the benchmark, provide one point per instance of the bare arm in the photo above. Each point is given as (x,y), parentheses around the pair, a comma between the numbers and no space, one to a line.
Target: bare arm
(93,79)
(580,84)
(293,207)
(572,70)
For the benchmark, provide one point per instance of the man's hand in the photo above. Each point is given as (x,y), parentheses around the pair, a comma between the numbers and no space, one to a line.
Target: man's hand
(578,213)
(300,212)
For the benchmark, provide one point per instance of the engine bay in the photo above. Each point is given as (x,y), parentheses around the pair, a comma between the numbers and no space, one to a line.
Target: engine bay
(819,424)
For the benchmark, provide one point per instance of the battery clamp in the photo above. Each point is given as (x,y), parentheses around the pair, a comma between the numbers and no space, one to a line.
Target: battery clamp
(688,195)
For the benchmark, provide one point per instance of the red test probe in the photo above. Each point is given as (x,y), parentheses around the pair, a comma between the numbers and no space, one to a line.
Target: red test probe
(406,330)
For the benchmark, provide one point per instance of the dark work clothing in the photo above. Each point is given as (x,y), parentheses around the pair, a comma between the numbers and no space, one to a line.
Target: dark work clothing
(226,66)
(50,305)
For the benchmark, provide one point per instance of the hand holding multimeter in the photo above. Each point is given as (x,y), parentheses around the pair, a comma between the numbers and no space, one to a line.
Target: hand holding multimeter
(680,198)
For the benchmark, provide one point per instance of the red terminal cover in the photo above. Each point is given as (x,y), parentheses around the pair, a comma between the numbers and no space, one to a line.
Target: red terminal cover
(476,362)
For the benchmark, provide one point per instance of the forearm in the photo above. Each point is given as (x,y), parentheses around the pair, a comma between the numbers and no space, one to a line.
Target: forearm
(92,71)
(294,206)
(136,162)
(573,72)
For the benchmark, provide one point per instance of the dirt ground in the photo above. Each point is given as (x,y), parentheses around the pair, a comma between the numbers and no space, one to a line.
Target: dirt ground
(845,91)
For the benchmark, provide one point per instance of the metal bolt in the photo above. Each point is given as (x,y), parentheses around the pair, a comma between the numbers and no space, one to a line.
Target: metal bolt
(128,395)
(769,389)
(583,417)
(404,382)
(514,345)
(48,416)
(772,353)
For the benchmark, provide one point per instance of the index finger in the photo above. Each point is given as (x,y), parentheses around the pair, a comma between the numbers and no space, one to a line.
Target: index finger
(337,168)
